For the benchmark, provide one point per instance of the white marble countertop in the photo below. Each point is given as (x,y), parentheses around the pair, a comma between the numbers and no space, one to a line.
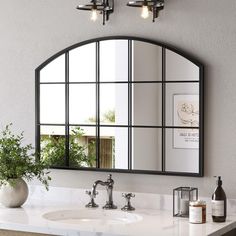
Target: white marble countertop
(154,222)
(154,209)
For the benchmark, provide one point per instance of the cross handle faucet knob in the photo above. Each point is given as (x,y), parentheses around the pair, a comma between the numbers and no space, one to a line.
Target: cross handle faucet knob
(90,193)
(128,206)
(92,203)
(128,195)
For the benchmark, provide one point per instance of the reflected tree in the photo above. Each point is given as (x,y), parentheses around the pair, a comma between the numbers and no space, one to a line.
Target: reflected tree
(82,154)
(107,117)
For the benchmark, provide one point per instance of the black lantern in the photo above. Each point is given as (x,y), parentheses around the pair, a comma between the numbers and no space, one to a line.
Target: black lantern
(104,7)
(181,198)
(154,6)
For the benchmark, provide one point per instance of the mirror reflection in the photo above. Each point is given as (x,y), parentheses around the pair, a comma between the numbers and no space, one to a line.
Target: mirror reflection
(147,104)
(82,147)
(113,60)
(54,71)
(82,103)
(125,104)
(114,104)
(147,61)
(81,67)
(147,149)
(178,68)
(52,144)
(52,103)
(113,148)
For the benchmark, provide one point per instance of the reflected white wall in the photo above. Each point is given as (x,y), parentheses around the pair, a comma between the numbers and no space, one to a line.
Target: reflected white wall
(147,106)
(121,104)
(180,68)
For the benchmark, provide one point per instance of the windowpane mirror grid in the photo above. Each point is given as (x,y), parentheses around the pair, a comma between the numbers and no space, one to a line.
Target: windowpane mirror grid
(147,104)
(182,150)
(114,60)
(114,104)
(147,61)
(52,103)
(179,68)
(147,149)
(82,100)
(113,148)
(52,142)
(82,146)
(82,63)
(124,104)
(182,104)
(54,71)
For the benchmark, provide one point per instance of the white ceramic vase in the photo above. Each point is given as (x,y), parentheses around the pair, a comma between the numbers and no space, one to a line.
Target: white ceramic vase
(14,196)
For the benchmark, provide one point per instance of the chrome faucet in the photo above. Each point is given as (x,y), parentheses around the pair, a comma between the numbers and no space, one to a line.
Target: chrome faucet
(109,187)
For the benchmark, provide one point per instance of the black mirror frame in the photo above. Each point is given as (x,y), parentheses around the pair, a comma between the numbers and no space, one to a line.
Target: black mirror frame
(164,46)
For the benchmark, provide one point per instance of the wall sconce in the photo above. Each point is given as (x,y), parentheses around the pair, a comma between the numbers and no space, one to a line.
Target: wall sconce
(104,7)
(147,6)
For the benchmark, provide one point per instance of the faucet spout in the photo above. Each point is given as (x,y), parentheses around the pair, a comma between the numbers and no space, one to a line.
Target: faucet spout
(109,187)
(96,183)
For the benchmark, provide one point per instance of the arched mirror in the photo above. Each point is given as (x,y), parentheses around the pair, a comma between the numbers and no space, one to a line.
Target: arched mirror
(121,104)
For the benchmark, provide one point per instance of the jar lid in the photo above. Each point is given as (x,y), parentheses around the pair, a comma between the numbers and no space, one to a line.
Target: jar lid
(197,203)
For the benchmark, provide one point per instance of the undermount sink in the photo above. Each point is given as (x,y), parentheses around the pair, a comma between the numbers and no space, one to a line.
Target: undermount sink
(92,216)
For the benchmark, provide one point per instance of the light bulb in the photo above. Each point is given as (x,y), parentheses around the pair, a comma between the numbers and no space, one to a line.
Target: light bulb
(94,15)
(145,12)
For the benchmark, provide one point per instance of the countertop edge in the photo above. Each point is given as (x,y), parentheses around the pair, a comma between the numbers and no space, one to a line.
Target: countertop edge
(224,230)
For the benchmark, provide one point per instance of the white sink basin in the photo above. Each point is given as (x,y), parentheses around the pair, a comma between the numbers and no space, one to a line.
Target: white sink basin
(92,216)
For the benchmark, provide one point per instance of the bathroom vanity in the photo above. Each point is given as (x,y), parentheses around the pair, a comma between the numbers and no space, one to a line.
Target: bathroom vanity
(153,216)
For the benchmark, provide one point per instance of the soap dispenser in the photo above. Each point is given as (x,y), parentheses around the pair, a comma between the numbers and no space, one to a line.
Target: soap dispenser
(219,202)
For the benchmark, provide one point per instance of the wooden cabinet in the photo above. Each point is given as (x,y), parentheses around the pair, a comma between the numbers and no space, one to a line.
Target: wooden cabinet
(18,233)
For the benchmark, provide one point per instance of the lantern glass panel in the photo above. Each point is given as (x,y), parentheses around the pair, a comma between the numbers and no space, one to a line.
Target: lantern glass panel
(181,198)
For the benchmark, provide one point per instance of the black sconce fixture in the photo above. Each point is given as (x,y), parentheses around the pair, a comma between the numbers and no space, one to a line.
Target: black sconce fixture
(104,7)
(147,6)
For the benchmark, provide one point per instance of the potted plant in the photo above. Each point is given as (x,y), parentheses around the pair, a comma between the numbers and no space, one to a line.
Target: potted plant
(17,164)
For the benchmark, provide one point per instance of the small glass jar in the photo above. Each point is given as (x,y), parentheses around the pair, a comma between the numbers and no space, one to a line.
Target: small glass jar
(197,212)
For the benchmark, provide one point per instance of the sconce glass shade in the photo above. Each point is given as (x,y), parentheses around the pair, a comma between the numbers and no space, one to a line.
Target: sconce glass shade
(94,15)
(153,6)
(104,7)
(145,12)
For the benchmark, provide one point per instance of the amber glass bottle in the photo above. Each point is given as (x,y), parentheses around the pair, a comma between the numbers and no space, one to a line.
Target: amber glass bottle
(219,203)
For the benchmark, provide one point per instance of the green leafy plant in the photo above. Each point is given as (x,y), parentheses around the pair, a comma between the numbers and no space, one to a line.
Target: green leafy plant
(80,154)
(18,160)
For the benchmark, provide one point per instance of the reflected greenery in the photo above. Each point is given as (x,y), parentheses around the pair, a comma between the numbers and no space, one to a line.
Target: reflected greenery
(81,154)
(107,117)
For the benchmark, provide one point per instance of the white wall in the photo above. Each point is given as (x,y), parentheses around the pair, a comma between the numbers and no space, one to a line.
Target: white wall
(33,30)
